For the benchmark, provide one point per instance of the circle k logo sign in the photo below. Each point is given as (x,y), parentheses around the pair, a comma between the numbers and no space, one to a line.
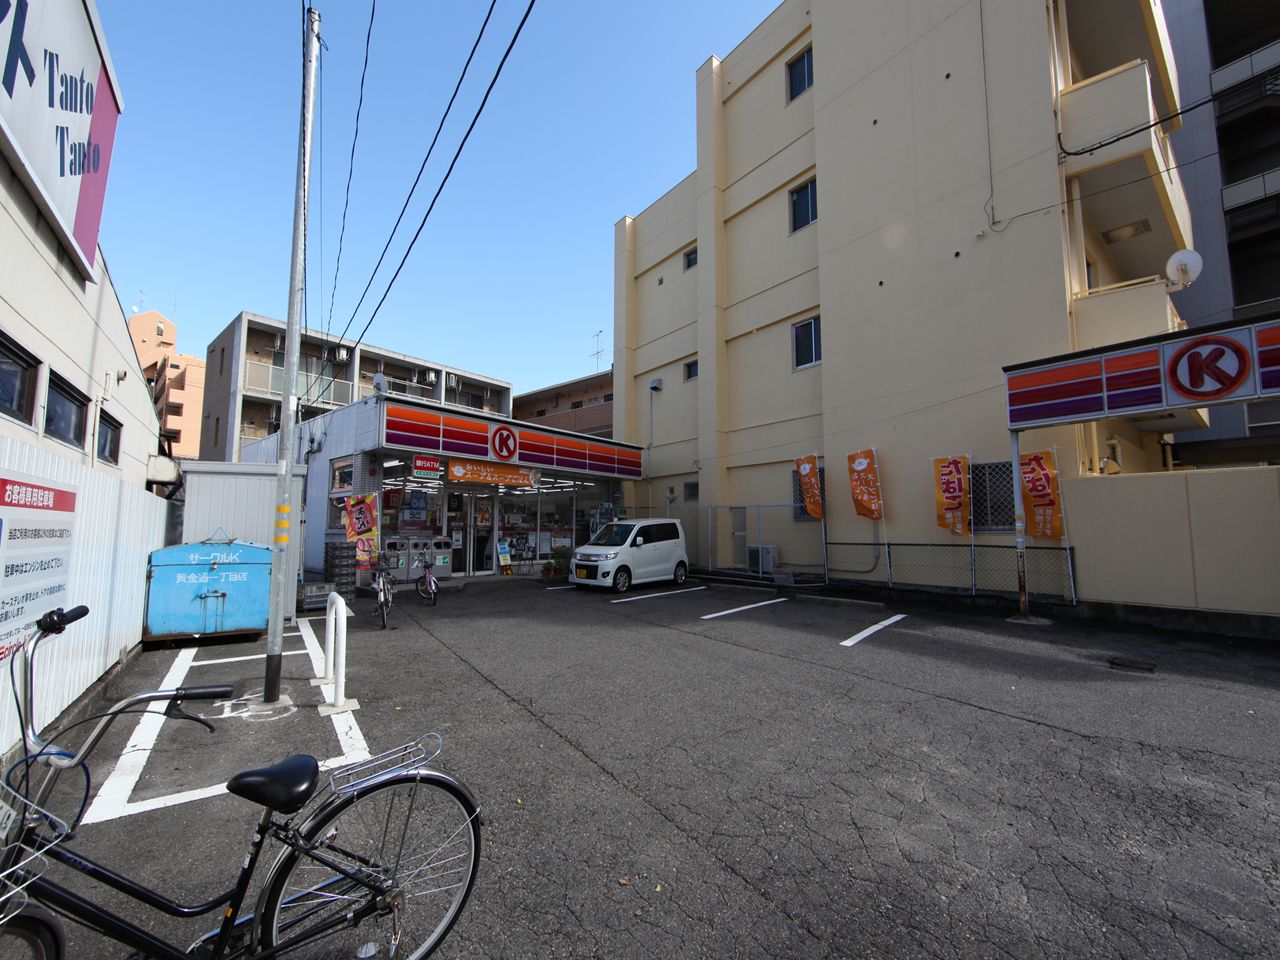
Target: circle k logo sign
(1208,368)
(503,443)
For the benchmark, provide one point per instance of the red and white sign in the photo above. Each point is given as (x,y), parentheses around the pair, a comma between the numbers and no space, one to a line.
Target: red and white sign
(37,533)
(427,468)
(1209,368)
(502,442)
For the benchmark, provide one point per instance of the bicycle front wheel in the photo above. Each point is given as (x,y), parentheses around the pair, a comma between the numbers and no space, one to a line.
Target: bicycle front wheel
(412,844)
(423,583)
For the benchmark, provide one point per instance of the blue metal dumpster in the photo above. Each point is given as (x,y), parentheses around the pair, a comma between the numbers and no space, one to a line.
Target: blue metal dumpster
(208,589)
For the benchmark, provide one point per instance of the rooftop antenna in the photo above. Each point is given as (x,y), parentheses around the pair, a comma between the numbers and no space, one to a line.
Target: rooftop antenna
(599,351)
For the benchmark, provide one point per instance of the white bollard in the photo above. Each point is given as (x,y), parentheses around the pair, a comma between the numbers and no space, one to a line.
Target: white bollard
(335,657)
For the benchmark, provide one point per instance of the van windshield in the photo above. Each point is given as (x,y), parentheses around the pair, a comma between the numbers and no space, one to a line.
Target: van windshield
(612,535)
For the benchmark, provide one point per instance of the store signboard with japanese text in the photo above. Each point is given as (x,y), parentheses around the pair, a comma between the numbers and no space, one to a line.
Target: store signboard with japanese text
(432,431)
(951,493)
(360,521)
(1224,365)
(59,106)
(810,485)
(37,533)
(427,468)
(864,484)
(1042,495)
(476,471)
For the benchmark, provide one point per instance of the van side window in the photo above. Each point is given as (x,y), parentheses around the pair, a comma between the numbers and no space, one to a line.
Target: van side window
(665,531)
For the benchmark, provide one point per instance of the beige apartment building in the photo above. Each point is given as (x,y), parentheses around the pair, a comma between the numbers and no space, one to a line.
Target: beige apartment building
(584,405)
(176,381)
(892,202)
(245,381)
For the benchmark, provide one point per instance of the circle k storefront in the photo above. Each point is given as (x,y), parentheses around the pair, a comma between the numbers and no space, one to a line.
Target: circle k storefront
(493,495)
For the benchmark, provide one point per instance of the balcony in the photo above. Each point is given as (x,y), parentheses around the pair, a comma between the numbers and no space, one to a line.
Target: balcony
(1131,182)
(1124,311)
(1254,65)
(398,387)
(1257,188)
(265,379)
(1107,33)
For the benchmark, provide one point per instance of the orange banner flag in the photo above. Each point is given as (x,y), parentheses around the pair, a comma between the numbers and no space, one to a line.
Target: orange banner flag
(951,493)
(810,484)
(1042,495)
(864,484)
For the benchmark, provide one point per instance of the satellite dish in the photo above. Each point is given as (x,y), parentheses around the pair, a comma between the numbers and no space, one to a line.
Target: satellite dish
(1183,267)
(380,384)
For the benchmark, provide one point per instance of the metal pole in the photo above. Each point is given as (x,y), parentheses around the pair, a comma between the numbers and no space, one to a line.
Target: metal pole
(648,480)
(293,337)
(973,538)
(1019,522)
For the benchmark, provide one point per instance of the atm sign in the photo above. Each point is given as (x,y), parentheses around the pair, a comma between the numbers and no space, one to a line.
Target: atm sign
(427,468)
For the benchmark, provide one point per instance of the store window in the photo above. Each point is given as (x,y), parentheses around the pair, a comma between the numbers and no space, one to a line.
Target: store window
(804,205)
(806,338)
(992,488)
(109,439)
(18,370)
(65,412)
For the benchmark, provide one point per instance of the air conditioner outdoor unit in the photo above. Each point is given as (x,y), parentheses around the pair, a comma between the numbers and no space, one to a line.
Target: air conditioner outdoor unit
(451,381)
(762,557)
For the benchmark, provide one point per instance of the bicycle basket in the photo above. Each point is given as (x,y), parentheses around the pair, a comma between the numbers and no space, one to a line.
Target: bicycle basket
(409,756)
(20,863)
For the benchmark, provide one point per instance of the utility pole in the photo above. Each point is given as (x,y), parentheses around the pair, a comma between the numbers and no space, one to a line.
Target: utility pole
(293,337)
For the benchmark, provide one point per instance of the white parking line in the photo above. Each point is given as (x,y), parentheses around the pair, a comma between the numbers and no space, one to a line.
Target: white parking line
(254,656)
(665,593)
(750,606)
(567,586)
(112,800)
(872,629)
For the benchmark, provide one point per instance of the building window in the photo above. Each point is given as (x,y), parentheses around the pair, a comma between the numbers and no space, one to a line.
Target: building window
(800,74)
(806,337)
(109,439)
(222,360)
(691,258)
(576,405)
(540,413)
(991,485)
(798,510)
(691,490)
(217,429)
(64,415)
(804,205)
(17,380)
(173,409)
(608,398)
(691,370)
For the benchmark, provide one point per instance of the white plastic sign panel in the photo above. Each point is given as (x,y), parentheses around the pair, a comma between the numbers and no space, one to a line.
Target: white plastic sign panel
(37,534)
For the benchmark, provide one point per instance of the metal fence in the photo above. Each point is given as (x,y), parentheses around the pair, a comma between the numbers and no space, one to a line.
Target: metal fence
(782,543)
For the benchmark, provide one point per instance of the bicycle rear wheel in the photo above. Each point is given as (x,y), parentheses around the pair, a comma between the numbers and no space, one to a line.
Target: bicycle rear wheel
(29,938)
(417,839)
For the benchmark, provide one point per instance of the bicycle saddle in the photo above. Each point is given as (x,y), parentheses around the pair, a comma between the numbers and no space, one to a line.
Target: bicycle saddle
(284,787)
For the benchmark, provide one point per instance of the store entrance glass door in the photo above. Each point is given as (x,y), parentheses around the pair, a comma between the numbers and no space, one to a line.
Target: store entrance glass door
(471,528)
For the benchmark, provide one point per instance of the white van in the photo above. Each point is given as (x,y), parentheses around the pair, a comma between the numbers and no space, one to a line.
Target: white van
(631,551)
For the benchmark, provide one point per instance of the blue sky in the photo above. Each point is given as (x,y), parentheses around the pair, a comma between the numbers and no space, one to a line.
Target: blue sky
(592,119)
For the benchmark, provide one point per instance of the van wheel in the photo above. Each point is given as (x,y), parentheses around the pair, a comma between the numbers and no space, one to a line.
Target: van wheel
(681,573)
(621,580)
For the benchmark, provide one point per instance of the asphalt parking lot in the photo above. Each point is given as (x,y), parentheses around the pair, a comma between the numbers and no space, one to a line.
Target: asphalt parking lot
(728,773)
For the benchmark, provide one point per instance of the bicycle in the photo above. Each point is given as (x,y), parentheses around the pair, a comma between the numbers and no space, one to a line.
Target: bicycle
(384,859)
(382,587)
(426,584)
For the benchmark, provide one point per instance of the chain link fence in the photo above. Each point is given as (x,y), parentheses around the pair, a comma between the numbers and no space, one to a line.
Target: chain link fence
(781,543)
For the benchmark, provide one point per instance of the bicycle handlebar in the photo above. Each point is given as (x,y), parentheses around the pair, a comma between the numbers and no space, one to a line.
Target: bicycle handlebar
(55,621)
(216,691)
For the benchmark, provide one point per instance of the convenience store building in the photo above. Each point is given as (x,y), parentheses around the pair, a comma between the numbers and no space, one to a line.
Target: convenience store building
(496,488)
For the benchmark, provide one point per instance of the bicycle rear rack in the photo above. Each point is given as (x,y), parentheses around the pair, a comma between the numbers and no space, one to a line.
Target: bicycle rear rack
(409,756)
(24,861)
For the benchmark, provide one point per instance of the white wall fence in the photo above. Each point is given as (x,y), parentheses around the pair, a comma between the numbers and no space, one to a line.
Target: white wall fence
(116,528)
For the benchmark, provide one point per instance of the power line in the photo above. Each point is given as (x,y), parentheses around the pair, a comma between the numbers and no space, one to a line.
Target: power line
(426,158)
(452,163)
(1131,132)
(351,164)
